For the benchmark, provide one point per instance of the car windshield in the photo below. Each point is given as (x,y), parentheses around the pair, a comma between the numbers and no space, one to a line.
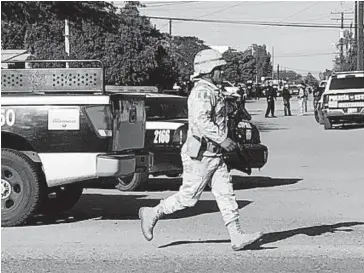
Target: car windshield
(160,108)
(347,83)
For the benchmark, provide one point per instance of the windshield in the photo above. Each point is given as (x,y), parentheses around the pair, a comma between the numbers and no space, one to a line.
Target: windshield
(347,83)
(166,108)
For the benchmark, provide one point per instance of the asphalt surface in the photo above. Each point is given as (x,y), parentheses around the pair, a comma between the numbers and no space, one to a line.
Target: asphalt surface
(308,200)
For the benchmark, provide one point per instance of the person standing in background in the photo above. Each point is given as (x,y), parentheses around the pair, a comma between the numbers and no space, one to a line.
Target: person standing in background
(300,99)
(271,96)
(286,100)
(305,98)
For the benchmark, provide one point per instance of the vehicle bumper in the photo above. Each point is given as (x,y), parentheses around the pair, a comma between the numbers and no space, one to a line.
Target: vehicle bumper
(123,165)
(255,157)
(115,165)
(344,115)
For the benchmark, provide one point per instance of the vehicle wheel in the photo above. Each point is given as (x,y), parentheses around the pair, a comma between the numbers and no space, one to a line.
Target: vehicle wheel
(21,188)
(61,199)
(132,182)
(327,124)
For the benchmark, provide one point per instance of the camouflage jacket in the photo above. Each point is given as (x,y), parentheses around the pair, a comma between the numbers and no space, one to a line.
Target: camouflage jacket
(207,116)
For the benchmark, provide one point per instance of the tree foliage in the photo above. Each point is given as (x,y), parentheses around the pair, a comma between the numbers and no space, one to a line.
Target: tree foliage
(184,50)
(132,50)
(244,66)
(311,80)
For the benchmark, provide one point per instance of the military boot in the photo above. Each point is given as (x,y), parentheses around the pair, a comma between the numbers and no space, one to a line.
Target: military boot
(149,218)
(239,240)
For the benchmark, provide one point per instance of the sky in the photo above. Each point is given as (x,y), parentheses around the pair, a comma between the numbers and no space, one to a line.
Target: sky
(301,49)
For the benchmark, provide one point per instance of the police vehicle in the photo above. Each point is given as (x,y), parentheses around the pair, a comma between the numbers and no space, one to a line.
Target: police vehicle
(166,132)
(60,127)
(343,100)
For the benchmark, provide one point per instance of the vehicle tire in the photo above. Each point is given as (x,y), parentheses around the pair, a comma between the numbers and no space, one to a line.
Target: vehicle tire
(61,199)
(132,182)
(327,124)
(22,188)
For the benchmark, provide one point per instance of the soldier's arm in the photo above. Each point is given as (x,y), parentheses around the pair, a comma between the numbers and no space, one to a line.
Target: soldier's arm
(203,108)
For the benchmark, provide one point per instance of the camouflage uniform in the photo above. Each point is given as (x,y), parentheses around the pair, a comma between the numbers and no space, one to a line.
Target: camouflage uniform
(207,118)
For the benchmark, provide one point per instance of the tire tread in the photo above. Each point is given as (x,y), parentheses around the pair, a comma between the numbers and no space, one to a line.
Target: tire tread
(37,188)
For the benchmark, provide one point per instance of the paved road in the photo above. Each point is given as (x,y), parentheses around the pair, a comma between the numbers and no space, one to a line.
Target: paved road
(308,200)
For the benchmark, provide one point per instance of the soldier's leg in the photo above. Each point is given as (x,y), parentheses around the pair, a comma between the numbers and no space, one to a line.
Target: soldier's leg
(196,175)
(273,107)
(285,107)
(222,188)
(268,109)
(289,107)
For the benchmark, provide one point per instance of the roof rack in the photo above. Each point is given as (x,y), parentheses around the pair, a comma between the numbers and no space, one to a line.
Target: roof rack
(130,89)
(54,80)
(348,72)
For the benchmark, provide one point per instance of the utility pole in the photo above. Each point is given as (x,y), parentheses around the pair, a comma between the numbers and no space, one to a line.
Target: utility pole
(278,73)
(356,22)
(67,40)
(360,39)
(170,27)
(272,62)
(342,19)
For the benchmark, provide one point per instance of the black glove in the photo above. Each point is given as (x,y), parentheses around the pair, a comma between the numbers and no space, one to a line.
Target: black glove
(228,145)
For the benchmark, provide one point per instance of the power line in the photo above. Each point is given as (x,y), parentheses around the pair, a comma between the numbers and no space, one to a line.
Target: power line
(242,22)
(221,10)
(306,55)
(299,12)
(169,4)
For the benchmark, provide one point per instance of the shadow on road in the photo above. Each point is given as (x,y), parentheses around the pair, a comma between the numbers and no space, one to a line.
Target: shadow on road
(251,182)
(121,207)
(279,236)
(266,126)
(240,182)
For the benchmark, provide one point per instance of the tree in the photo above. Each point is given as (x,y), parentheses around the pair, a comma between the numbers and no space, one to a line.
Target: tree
(244,66)
(184,50)
(325,75)
(291,76)
(311,80)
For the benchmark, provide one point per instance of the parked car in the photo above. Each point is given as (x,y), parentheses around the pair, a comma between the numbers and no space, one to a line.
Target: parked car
(294,89)
(166,132)
(229,87)
(343,99)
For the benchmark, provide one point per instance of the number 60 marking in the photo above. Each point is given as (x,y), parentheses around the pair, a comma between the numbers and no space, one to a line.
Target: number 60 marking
(7,117)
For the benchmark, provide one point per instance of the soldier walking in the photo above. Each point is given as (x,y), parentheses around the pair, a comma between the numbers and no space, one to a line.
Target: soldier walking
(202,154)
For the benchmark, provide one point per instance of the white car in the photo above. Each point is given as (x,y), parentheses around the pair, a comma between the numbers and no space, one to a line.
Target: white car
(230,88)
(342,100)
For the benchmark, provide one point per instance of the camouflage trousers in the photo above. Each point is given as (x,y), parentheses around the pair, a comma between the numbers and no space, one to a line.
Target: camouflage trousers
(196,175)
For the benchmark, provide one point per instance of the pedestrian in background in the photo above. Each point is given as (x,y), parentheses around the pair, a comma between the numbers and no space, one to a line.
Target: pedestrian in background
(271,95)
(286,100)
(300,100)
(305,98)
(202,154)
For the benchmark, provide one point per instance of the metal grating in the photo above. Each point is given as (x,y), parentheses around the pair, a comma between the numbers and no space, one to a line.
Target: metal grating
(52,80)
